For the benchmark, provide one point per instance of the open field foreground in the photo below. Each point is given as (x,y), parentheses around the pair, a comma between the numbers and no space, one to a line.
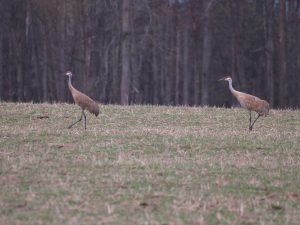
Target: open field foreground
(148,165)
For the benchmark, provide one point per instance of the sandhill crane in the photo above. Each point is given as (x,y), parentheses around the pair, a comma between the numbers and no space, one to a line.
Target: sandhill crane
(250,102)
(83,101)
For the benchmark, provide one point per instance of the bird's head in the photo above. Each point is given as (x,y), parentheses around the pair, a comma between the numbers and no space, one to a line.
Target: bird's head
(226,78)
(68,73)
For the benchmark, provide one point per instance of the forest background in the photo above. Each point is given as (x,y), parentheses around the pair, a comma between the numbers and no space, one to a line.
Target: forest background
(165,52)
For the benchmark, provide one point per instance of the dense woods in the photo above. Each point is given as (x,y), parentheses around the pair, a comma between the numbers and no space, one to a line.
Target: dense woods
(169,52)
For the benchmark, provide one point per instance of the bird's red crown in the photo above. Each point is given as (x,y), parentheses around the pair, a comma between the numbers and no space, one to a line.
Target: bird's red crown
(227,78)
(68,73)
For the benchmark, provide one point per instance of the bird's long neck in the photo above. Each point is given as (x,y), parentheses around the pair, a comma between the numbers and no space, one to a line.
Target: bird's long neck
(70,84)
(233,91)
(70,81)
(230,86)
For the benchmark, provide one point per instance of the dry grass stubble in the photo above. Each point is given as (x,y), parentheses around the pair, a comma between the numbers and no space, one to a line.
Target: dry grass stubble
(148,165)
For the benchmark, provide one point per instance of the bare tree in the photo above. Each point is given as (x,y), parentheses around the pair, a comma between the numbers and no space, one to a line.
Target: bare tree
(206,52)
(269,49)
(282,70)
(149,51)
(125,82)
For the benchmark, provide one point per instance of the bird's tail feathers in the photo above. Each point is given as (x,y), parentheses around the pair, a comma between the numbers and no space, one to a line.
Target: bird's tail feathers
(94,109)
(265,107)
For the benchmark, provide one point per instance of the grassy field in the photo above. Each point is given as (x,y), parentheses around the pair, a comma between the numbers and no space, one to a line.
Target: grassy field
(148,165)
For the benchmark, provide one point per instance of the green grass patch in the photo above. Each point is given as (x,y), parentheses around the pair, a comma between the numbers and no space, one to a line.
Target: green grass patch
(148,165)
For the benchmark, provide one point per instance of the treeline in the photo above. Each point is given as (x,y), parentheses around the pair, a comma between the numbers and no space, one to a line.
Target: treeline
(168,52)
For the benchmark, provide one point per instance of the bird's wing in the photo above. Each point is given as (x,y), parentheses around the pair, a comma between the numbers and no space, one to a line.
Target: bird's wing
(85,102)
(248,101)
(254,103)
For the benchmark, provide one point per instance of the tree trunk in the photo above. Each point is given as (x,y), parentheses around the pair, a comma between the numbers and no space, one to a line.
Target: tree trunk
(206,53)
(292,47)
(169,64)
(45,72)
(177,68)
(125,81)
(238,58)
(156,72)
(297,72)
(283,101)
(269,49)
(1,58)
(115,71)
(186,69)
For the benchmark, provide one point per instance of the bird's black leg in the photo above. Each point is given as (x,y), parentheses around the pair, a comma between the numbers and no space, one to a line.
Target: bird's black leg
(84,119)
(250,121)
(75,122)
(250,128)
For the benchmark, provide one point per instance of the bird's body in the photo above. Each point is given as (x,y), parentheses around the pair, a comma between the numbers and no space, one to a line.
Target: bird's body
(84,101)
(250,102)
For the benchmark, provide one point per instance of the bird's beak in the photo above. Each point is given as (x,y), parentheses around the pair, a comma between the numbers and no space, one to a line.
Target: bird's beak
(221,79)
